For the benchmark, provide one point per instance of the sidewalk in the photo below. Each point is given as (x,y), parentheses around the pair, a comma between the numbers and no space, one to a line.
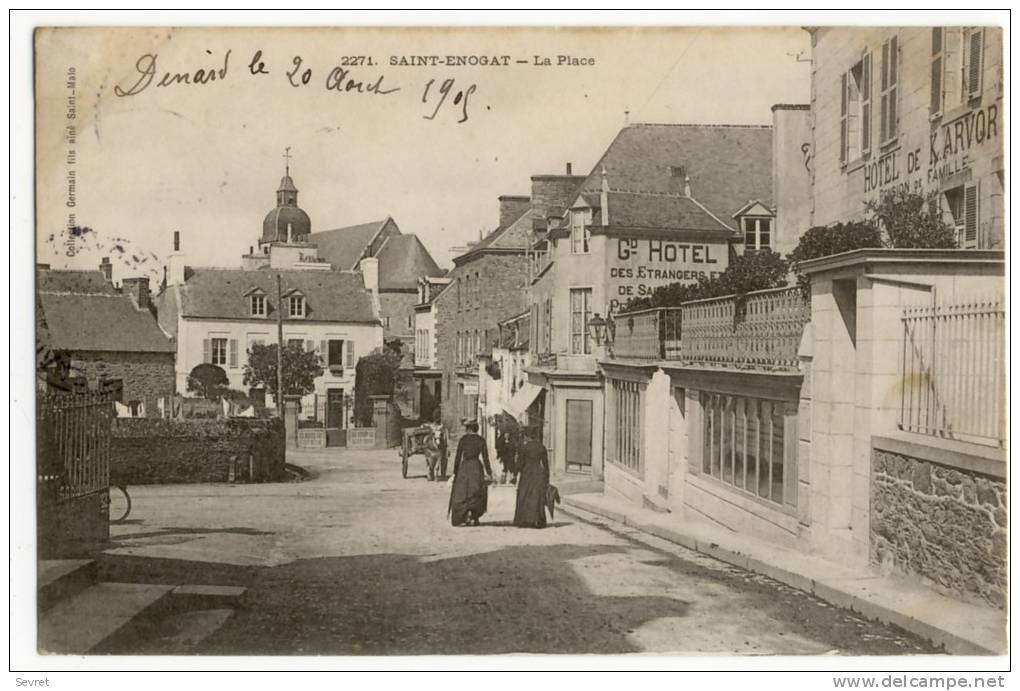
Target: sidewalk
(962,628)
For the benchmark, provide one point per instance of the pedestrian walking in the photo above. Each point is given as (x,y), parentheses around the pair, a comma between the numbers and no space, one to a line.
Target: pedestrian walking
(506,452)
(469,497)
(533,481)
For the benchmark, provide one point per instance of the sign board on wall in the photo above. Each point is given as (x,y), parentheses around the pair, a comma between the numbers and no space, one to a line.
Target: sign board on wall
(933,156)
(637,266)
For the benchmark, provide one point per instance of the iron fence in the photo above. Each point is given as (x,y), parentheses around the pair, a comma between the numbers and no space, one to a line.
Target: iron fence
(953,368)
(73,445)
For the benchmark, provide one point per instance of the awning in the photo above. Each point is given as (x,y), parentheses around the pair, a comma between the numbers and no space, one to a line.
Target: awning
(523,399)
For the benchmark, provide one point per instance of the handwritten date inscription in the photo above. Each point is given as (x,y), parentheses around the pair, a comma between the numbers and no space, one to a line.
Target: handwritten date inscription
(340,78)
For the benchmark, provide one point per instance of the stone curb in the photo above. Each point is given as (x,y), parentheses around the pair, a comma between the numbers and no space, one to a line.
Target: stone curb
(832,593)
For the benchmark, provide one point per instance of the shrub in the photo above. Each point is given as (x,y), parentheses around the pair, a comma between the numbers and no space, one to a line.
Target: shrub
(821,241)
(208,381)
(909,219)
(749,272)
(376,374)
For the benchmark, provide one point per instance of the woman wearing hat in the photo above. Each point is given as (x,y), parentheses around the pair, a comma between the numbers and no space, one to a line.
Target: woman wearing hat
(532,481)
(469,497)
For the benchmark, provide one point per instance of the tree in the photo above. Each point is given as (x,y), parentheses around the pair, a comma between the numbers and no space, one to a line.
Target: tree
(909,219)
(208,381)
(376,374)
(300,369)
(749,272)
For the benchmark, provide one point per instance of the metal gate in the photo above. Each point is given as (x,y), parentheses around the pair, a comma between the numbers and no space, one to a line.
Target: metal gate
(73,446)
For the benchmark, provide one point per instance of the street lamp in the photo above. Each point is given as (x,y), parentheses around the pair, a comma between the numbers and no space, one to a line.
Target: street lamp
(597,328)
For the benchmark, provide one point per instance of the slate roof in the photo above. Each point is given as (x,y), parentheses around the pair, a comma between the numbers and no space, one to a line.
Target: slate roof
(660,211)
(99,322)
(81,282)
(403,259)
(514,237)
(330,296)
(726,164)
(343,247)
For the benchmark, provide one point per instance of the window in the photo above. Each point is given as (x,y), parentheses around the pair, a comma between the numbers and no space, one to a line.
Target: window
(580,315)
(855,111)
(888,116)
(298,343)
(937,70)
(547,327)
(626,430)
(386,322)
(744,445)
(963,207)
(258,305)
(218,352)
(296,306)
(410,321)
(973,62)
(757,233)
(579,233)
(334,353)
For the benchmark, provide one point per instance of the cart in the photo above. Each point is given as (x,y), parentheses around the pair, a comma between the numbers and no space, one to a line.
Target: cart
(430,442)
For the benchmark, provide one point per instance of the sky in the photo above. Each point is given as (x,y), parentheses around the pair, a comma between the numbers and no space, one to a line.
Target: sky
(205,159)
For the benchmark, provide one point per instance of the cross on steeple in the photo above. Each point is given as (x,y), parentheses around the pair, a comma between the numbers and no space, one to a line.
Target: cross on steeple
(287,156)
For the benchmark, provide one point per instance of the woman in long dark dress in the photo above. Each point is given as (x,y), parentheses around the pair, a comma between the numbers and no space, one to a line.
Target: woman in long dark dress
(469,497)
(532,482)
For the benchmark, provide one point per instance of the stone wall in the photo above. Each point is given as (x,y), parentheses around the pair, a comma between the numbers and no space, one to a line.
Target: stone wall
(155,451)
(503,278)
(146,376)
(946,525)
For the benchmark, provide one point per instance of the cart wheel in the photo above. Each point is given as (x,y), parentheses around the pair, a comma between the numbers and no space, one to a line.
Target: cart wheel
(403,464)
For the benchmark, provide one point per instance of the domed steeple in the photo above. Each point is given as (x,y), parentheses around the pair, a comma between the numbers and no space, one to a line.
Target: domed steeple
(287,222)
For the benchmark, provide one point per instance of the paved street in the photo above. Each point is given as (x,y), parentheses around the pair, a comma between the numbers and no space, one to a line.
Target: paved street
(358,560)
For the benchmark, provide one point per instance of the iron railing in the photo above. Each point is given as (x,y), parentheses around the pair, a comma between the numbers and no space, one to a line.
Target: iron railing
(953,368)
(757,330)
(652,333)
(73,445)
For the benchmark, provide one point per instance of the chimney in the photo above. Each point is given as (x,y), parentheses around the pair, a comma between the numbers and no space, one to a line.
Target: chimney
(552,194)
(138,289)
(175,262)
(107,268)
(369,267)
(570,168)
(512,207)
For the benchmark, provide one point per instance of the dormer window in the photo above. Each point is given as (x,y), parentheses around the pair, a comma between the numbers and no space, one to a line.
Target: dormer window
(579,234)
(296,306)
(258,305)
(757,233)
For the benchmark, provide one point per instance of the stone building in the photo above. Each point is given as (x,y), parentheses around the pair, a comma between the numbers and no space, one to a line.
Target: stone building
(487,285)
(216,314)
(403,259)
(920,108)
(428,386)
(92,335)
(664,204)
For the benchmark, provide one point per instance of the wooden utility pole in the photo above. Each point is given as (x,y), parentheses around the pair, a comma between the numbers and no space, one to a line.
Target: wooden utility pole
(279,346)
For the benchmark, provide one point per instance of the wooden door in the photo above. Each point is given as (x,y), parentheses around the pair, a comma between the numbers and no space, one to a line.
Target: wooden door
(579,423)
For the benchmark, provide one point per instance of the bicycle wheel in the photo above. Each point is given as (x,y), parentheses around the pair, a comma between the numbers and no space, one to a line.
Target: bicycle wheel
(120,503)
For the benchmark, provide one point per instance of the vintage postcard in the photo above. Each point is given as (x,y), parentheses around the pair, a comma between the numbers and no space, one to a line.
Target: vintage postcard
(387,341)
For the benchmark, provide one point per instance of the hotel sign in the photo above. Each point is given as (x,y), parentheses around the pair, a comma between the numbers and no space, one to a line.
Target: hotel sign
(637,266)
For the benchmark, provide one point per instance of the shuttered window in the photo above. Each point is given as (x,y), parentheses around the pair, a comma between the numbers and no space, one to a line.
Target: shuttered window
(233,352)
(970,215)
(843,111)
(937,70)
(889,83)
(865,89)
(351,362)
(218,351)
(750,444)
(973,62)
